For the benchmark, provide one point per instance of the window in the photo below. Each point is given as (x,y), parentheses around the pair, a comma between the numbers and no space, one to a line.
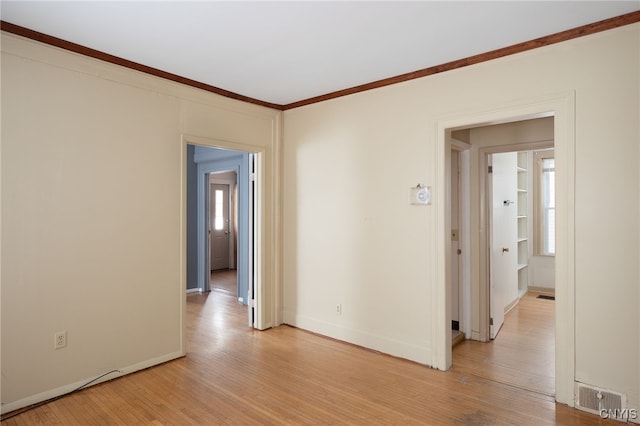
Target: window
(545,207)
(218,220)
(548,206)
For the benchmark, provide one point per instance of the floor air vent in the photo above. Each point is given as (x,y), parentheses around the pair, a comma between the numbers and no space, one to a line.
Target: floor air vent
(544,296)
(602,402)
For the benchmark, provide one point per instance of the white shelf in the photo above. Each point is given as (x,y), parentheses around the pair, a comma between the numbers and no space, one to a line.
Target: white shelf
(523,223)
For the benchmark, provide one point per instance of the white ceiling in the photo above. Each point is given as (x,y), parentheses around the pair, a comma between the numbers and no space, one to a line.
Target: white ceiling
(283,52)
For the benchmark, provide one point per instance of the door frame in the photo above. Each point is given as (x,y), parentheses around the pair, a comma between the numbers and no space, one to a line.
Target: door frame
(211,209)
(205,171)
(266,213)
(231,210)
(499,311)
(484,334)
(464,221)
(562,107)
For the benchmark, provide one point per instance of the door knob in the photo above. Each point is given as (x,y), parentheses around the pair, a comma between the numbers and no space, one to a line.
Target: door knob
(505,249)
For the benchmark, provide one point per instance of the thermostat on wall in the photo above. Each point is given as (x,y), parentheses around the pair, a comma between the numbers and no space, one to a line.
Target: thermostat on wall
(420,195)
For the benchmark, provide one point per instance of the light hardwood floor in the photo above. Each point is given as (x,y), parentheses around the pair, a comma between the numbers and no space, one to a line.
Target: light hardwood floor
(233,375)
(224,280)
(523,353)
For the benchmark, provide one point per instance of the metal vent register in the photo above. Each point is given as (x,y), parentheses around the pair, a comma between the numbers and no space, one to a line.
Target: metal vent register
(606,404)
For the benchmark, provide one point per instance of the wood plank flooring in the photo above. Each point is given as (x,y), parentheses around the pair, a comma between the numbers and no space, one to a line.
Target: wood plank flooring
(523,353)
(233,375)
(224,280)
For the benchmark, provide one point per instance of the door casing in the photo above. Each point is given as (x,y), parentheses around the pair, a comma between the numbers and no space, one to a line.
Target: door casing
(229,224)
(265,289)
(562,107)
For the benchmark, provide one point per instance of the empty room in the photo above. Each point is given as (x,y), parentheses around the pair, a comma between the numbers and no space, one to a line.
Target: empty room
(276,212)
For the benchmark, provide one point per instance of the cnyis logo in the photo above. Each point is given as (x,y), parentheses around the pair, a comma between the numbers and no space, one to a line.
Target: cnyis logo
(622,414)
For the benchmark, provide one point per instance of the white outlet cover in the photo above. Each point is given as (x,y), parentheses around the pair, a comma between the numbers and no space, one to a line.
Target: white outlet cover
(420,195)
(60,340)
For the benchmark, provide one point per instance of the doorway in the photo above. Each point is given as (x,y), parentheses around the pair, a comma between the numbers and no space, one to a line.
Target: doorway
(460,247)
(225,229)
(223,234)
(561,108)
(520,347)
(222,221)
(219,227)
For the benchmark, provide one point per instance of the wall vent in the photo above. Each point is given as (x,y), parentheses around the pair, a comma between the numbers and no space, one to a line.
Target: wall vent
(605,403)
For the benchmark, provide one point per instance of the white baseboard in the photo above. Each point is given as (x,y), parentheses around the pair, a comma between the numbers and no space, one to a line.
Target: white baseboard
(512,305)
(194,290)
(543,290)
(384,344)
(53,393)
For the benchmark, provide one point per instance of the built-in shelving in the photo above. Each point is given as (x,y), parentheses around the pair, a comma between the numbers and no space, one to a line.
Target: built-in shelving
(523,225)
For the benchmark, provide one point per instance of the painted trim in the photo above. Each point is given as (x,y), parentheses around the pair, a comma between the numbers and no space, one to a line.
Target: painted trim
(232,212)
(112,59)
(182,281)
(562,105)
(542,290)
(237,163)
(596,27)
(354,336)
(464,232)
(593,28)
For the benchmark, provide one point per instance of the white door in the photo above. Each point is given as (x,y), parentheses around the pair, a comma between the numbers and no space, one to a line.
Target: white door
(252,246)
(503,242)
(219,226)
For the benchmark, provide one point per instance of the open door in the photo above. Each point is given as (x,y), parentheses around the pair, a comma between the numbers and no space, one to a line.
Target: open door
(503,227)
(251,296)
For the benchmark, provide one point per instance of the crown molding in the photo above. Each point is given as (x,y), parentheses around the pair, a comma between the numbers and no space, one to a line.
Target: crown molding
(106,57)
(596,27)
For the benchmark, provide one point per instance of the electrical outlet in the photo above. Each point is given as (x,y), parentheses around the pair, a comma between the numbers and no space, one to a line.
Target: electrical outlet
(60,340)
(339,309)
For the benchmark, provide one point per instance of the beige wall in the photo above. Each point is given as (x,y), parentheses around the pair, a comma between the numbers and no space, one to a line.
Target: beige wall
(92,207)
(350,236)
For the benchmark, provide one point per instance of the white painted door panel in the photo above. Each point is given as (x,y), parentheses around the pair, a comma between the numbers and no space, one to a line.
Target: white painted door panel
(503,242)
